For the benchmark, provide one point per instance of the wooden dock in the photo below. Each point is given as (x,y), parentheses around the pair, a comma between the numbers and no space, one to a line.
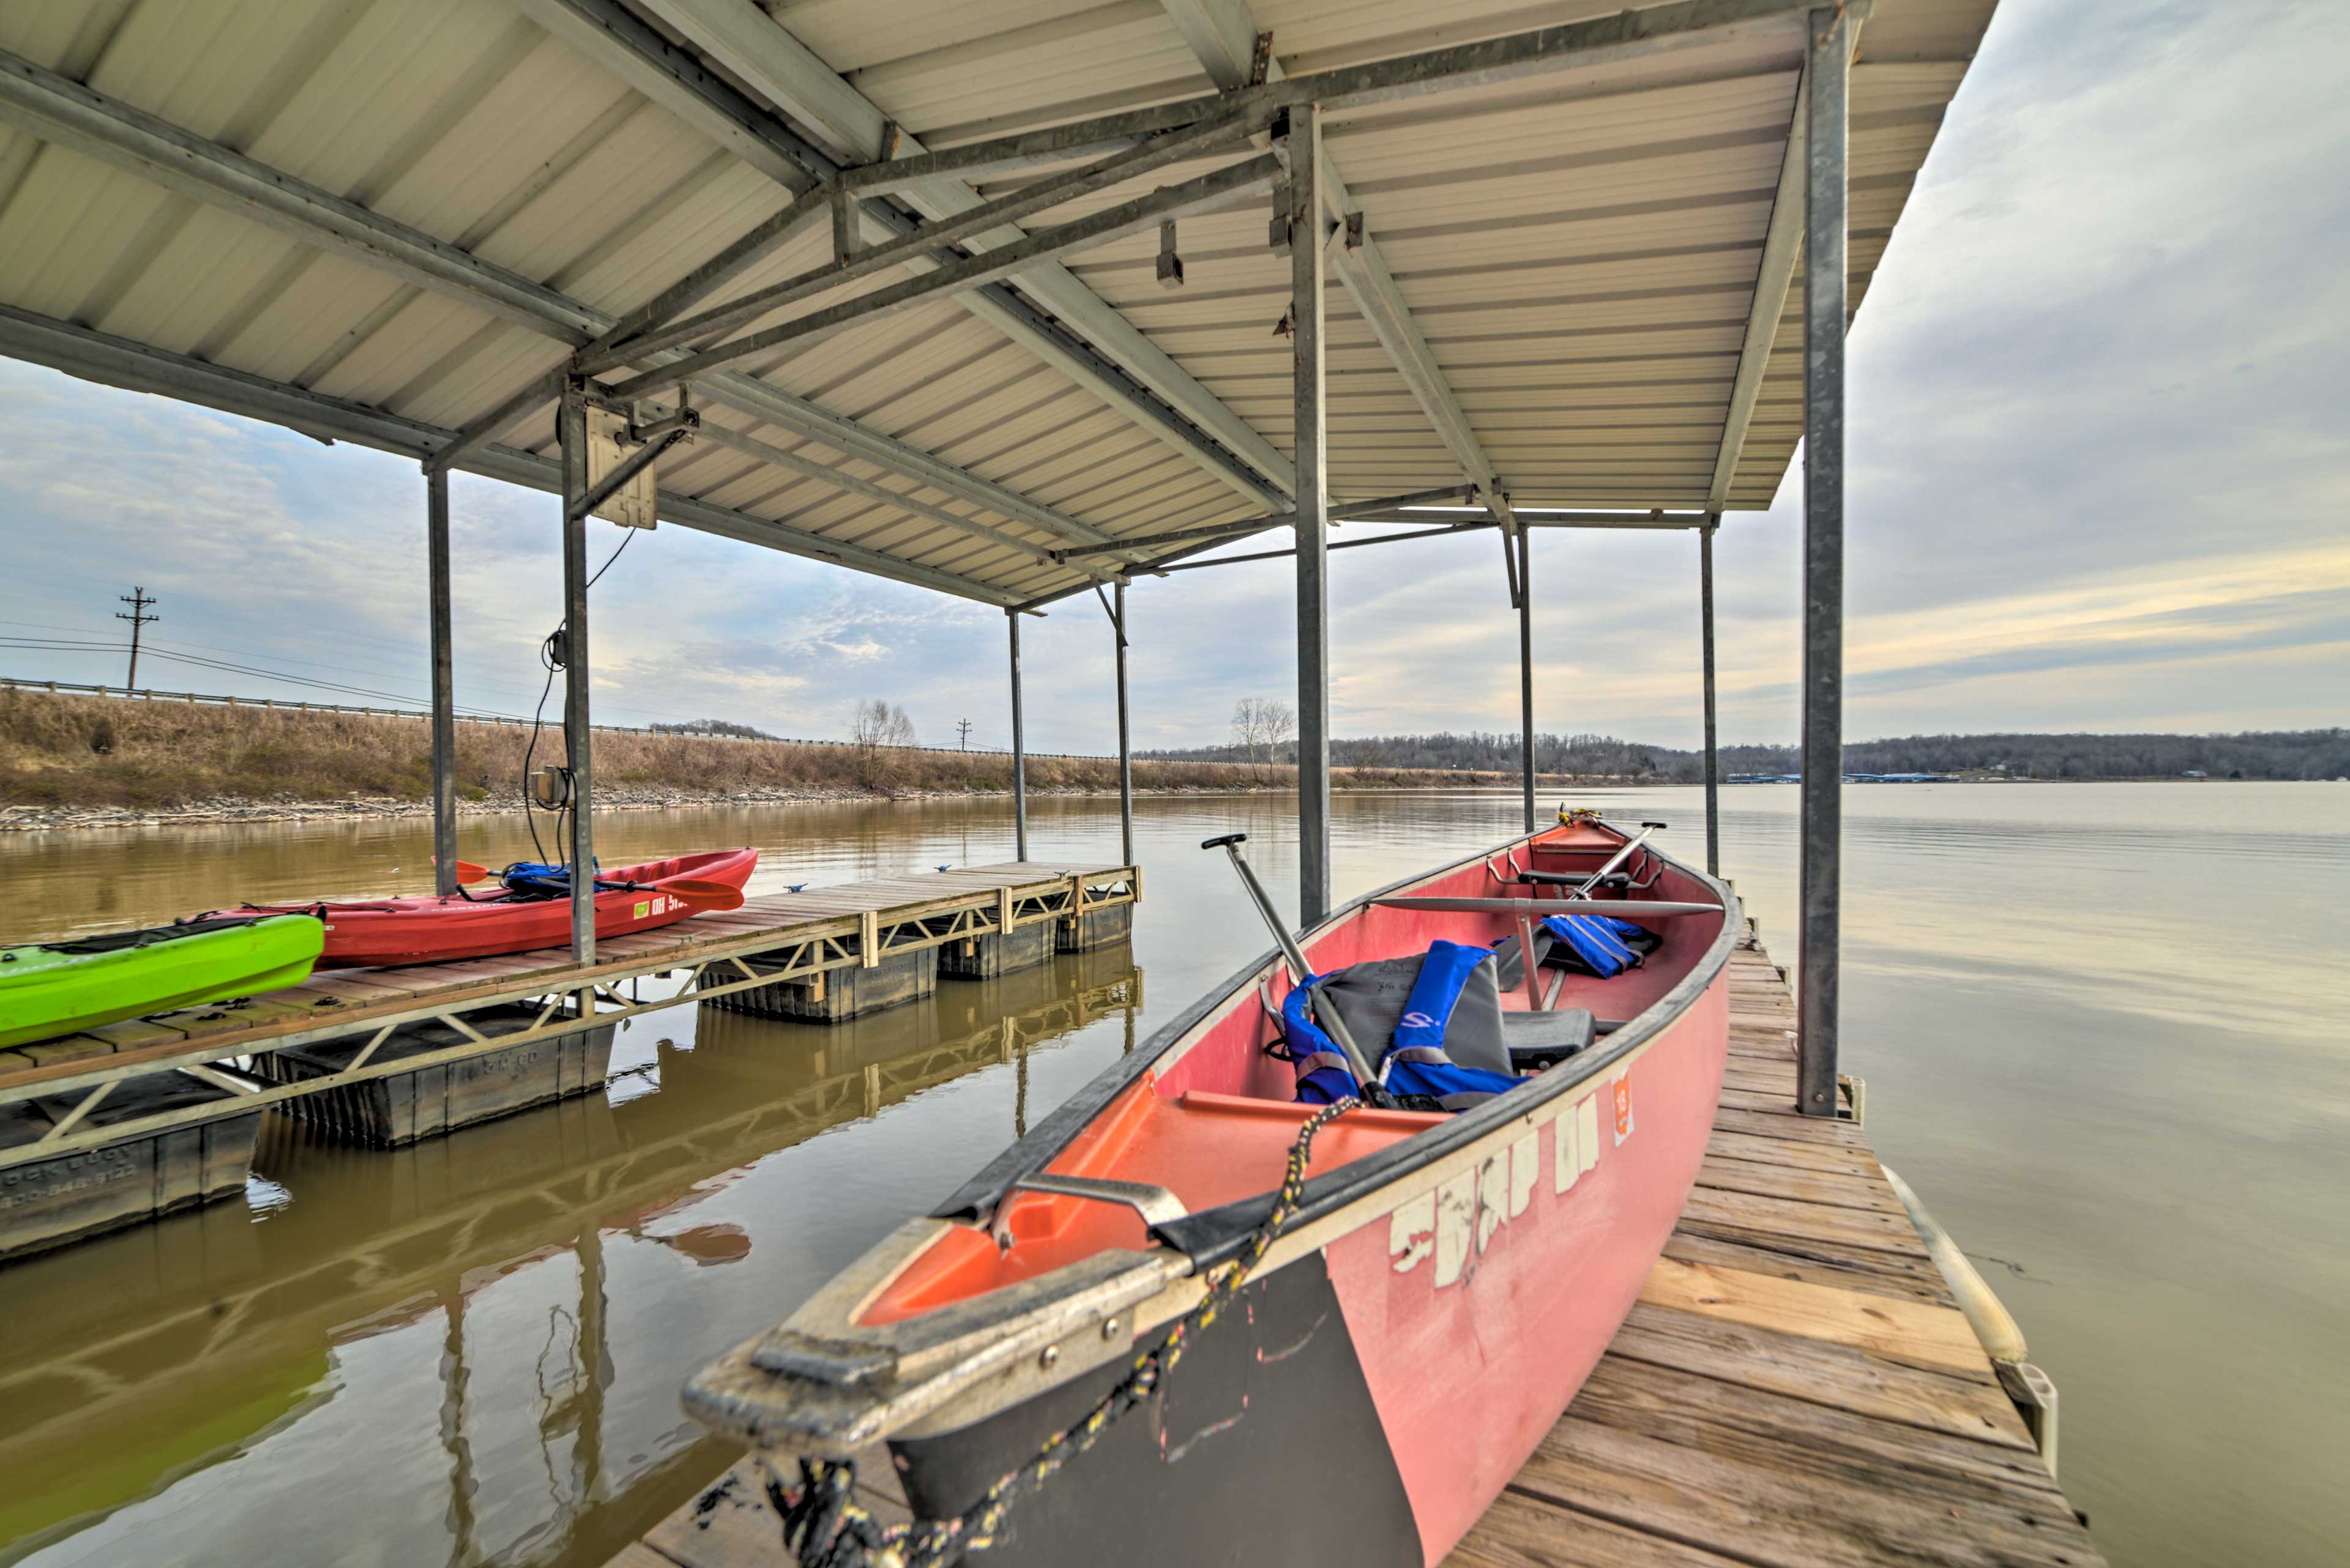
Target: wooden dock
(1796,1388)
(520,998)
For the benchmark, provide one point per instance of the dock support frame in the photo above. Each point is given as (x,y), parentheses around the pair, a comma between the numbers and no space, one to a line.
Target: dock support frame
(1019,749)
(1125,739)
(1526,669)
(1712,754)
(444,692)
(572,427)
(1312,454)
(1828,69)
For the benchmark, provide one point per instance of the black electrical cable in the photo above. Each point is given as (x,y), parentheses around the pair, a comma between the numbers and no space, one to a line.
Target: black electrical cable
(538,722)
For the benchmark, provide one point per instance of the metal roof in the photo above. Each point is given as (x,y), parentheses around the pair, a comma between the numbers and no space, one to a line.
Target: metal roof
(380,220)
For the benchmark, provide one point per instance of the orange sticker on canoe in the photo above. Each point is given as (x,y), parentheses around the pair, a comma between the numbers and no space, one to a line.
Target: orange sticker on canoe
(1623,1109)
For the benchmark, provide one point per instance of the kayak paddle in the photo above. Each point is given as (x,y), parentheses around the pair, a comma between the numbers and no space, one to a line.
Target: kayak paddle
(700,895)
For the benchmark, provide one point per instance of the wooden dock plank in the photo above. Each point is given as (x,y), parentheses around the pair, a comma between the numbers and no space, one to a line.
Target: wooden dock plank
(1820,1372)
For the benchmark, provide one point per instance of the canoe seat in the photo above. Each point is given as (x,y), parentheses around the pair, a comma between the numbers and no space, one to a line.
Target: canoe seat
(1539,1040)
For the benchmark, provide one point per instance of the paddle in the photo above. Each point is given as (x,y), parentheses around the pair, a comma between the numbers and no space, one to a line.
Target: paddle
(700,895)
(1370,1087)
(469,872)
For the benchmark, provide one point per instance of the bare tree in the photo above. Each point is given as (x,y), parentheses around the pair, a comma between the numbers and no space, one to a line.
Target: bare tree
(1248,731)
(868,723)
(879,728)
(1263,728)
(1280,729)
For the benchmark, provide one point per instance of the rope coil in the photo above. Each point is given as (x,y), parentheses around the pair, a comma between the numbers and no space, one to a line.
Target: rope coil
(823,1525)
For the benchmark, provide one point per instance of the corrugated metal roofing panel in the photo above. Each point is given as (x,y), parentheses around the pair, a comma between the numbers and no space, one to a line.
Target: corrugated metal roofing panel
(1578,249)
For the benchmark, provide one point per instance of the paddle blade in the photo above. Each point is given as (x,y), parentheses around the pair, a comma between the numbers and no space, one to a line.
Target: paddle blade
(467,871)
(700,895)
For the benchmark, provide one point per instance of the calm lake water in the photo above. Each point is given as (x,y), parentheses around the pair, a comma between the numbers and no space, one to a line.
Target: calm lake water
(2103,1028)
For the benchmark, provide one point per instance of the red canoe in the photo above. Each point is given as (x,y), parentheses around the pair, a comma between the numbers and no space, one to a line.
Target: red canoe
(387,931)
(1440,1291)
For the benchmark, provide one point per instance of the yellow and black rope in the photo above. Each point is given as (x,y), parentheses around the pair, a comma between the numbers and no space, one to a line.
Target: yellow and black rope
(826,1527)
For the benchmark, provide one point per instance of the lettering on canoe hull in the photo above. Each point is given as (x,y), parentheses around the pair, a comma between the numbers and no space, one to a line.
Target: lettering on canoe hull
(1449,1227)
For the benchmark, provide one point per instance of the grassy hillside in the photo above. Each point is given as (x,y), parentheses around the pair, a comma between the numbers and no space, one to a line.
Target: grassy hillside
(66,750)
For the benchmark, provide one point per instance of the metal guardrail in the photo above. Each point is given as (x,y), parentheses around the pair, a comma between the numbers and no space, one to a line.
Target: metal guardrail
(287,705)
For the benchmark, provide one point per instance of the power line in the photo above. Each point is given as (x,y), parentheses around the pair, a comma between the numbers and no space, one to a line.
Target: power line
(138,600)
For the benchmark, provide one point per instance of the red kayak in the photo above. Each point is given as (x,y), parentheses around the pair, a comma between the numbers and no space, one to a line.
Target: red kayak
(1380,1348)
(382,933)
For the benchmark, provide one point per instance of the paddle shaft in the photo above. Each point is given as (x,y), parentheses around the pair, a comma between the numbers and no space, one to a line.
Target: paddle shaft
(1299,974)
(1617,859)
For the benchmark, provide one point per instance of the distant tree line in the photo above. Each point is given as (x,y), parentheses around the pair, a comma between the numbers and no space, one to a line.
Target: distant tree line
(2256,754)
(713,727)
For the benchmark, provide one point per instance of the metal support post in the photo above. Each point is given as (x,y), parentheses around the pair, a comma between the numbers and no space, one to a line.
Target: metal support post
(1829,68)
(1019,750)
(571,425)
(1526,668)
(1312,516)
(1124,742)
(1713,756)
(445,693)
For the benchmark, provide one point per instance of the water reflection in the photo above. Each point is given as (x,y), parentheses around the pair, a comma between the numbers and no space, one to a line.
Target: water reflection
(2102,1026)
(492,1257)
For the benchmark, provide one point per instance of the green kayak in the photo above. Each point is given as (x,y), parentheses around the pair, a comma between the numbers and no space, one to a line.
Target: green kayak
(54,988)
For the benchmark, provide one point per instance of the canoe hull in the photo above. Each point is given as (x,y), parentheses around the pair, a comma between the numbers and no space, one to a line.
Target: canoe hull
(1442,1289)
(388,932)
(1366,1402)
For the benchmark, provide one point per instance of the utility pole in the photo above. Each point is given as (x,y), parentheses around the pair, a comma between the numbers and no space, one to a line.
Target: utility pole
(138,600)
(962,730)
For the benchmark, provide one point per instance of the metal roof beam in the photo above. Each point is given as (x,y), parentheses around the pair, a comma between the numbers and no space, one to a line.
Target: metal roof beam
(1223,34)
(1610,40)
(916,244)
(1084,234)
(135,366)
(53,107)
(1340,512)
(823,474)
(1773,278)
(761,52)
(69,115)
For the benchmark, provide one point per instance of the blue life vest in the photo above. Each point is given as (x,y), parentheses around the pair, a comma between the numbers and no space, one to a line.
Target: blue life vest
(1598,941)
(536,879)
(1413,1062)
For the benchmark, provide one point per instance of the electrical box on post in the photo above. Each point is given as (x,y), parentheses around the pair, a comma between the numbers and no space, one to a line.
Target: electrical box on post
(550,788)
(634,504)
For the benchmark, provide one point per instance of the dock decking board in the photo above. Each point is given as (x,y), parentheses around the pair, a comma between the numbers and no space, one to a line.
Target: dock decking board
(1795,1388)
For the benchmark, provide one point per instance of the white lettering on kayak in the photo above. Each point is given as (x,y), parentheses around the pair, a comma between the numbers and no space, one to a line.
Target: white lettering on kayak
(1566,1151)
(1587,1128)
(1411,1233)
(1493,1198)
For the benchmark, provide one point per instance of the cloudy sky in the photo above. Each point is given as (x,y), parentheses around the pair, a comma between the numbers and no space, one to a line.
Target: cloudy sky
(2100,472)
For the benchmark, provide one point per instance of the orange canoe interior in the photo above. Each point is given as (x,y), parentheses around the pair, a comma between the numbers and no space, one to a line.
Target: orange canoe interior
(1216,1125)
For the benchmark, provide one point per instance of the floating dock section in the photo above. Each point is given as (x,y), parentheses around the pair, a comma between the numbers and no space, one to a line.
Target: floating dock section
(1797,1387)
(122,1124)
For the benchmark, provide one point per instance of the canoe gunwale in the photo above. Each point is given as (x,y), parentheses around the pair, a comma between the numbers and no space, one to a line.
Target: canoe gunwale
(974,1202)
(822,1383)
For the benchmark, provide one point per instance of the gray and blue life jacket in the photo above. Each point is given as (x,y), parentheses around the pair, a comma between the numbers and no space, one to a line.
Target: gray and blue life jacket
(1435,1021)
